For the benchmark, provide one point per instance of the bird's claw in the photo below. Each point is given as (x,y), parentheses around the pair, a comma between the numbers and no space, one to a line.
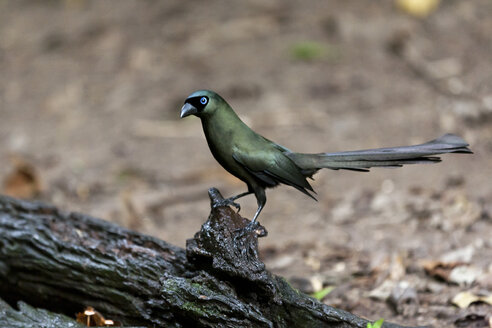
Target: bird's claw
(227,202)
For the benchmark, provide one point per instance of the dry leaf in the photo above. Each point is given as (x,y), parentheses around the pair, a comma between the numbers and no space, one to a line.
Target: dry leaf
(418,8)
(464,275)
(440,270)
(455,272)
(23,181)
(464,299)
(397,268)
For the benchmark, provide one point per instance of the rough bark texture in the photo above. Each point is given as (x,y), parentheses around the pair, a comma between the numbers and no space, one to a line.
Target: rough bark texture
(66,261)
(29,317)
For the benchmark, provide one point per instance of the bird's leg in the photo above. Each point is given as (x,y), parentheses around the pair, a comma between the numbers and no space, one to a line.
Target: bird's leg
(230,201)
(254,226)
(261,200)
(260,207)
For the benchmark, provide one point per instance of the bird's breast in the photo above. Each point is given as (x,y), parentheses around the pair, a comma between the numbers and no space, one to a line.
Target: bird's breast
(222,141)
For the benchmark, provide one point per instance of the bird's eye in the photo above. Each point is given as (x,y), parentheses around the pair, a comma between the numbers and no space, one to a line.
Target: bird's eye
(203,100)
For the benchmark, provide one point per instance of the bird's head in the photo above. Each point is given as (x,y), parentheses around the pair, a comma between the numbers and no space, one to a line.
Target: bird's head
(202,103)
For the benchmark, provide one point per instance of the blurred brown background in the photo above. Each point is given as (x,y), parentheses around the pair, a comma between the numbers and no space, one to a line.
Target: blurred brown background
(90,93)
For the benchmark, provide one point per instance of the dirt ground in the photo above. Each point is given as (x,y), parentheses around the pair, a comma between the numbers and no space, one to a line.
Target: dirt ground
(90,93)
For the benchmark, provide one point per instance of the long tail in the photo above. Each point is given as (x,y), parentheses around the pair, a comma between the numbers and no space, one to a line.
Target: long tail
(362,160)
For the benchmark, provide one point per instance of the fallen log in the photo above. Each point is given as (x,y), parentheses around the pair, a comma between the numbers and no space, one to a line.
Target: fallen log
(64,262)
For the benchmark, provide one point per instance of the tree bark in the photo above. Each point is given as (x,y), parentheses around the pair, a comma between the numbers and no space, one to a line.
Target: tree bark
(64,262)
(29,317)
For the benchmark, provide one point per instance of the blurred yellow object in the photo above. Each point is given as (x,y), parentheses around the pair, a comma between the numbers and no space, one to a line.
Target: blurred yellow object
(418,8)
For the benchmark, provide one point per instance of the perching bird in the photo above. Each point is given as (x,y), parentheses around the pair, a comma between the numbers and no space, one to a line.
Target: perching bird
(262,163)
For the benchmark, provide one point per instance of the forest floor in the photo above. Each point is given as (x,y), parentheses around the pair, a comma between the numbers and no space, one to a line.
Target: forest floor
(90,95)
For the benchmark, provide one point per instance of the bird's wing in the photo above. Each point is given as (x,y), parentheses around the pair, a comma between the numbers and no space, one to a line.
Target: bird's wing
(273,166)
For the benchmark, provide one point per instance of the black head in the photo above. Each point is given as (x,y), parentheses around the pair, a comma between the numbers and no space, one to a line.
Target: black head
(202,103)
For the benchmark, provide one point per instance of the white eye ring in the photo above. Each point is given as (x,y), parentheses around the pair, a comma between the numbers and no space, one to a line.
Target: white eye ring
(203,100)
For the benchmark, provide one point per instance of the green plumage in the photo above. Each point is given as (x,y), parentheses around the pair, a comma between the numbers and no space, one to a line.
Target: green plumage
(262,164)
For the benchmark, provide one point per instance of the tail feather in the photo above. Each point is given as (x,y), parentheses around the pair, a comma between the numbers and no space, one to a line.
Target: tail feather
(362,160)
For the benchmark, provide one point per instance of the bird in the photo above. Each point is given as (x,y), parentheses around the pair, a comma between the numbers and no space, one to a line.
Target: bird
(262,163)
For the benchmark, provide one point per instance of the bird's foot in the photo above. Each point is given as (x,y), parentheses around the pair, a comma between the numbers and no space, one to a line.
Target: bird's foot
(251,228)
(227,202)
